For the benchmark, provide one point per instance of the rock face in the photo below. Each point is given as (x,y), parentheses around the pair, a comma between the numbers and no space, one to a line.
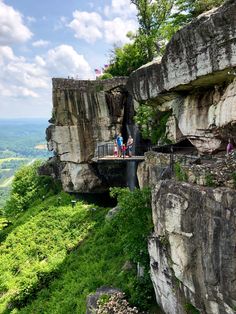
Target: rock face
(86,114)
(92,299)
(205,47)
(191,82)
(194,80)
(193,261)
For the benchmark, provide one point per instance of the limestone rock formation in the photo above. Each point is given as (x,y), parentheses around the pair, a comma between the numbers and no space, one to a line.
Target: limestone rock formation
(194,80)
(205,47)
(86,114)
(193,261)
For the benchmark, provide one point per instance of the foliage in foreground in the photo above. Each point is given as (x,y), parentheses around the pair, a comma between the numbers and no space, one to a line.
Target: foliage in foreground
(53,255)
(28,187)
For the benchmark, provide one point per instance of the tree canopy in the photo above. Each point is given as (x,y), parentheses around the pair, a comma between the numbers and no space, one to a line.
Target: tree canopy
(158,21)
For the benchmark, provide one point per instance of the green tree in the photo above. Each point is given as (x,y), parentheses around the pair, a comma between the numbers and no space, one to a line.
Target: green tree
(126,59)
(152,123)
(152,15)
(27,187)
(158,21)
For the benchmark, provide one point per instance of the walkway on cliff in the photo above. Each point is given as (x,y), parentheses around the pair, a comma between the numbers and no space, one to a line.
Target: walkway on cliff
(118,159)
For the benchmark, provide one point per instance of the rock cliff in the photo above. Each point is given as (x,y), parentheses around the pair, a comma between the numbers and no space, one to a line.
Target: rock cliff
(194,80)
(192,251)
(85,115)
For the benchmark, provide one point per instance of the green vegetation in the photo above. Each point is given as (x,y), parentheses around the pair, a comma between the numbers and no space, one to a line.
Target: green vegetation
(158,21)
(105,76)
(27,187)
(210,180)
(152,123)
(180,174)
(191,309)
(234,178)
(18,138)
(52,255)
(125,59)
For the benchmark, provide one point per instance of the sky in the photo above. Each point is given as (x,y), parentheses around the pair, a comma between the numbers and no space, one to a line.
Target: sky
(55,38)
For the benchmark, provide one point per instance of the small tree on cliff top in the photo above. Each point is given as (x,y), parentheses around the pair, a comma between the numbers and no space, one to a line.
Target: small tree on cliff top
(158,21)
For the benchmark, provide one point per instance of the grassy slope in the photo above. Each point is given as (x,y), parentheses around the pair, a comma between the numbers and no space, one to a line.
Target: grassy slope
(54,256)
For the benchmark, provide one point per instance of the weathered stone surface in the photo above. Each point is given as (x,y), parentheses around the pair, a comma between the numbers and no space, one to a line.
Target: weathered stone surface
(112,213)
(93,298)
(193,80)
(80,177)
(86,114)
(193,248)
(208,118)
(152,169)
(200,54)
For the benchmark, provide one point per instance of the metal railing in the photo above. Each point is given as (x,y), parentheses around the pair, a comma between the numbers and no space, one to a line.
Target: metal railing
(107,149)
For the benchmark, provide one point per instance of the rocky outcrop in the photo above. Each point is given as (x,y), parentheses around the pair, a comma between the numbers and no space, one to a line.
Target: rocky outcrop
(85,115)
(92,299)
(205,47)
(194,80)
(214,171)
(192,251)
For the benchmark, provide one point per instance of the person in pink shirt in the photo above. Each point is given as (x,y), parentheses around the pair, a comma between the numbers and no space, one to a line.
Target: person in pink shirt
(229,147)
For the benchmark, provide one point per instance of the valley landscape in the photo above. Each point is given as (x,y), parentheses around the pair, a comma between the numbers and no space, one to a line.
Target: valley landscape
(18,146)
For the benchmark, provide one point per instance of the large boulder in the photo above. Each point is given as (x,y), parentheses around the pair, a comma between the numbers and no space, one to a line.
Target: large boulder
(198,55)
(192,251)
(195,81)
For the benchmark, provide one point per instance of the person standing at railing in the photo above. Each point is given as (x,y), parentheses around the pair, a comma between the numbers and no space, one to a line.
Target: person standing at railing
(115,150)
(123,150)
(119,141)
(130,143)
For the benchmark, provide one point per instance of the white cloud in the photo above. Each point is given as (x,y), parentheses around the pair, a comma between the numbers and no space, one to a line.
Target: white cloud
(122,8)
(87,25)
(6,53)
(64,60)
(40,43)
(12,28)
(90,26)
(21,78)
(31,19)
(115,31)
(61,23)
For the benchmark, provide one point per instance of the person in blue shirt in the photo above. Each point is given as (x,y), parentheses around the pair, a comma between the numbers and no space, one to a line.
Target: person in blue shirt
(119,141)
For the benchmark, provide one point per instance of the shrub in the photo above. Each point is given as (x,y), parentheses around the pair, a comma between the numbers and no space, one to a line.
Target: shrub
(234,178)
(105,76)
(28,187)
(134,221)
(180,174)
(210,180)
(191,309)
